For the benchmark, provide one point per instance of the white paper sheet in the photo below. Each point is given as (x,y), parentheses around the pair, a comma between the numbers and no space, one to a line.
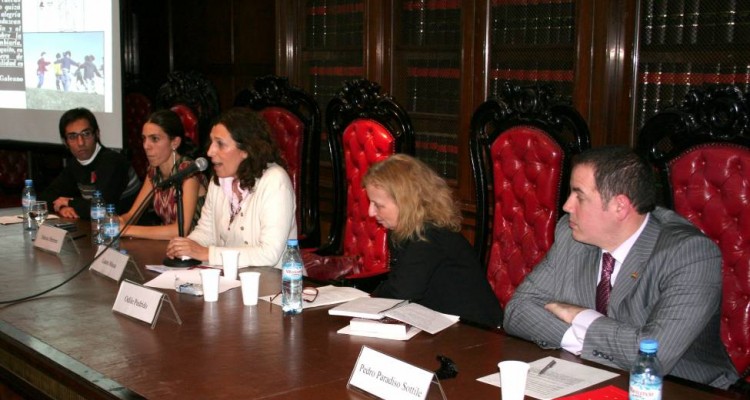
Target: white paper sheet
(167,278)
(563,378)
(422,317)
(347,330)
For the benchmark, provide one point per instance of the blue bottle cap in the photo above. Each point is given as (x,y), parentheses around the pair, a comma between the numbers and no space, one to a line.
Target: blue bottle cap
(649,345)
(28,182)
(292,242)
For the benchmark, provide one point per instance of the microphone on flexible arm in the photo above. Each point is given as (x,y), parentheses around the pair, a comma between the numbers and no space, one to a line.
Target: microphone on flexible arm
(199,165)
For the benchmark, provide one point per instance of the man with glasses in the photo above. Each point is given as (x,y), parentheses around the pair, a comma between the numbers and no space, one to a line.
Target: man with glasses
(94,167)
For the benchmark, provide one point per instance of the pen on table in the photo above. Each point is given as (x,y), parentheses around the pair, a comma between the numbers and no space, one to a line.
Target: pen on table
(546,367)
(399,304)
(83,235)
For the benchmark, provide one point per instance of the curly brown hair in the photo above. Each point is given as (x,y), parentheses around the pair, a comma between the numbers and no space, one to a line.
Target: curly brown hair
(252,135)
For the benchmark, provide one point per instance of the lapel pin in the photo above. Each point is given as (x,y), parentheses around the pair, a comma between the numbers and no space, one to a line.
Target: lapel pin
(634,275)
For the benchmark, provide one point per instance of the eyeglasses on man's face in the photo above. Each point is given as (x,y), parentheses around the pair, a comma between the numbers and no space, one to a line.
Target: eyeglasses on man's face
(73,136)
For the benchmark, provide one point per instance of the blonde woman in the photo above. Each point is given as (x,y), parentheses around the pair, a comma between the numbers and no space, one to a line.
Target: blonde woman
(431,262)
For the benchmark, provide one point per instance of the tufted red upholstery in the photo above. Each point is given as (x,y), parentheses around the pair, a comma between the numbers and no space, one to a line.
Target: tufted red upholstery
(521,146)
(13,171)
(701,150)
(294,119)
(527,167)
(365,142)
(364,127)
(137,110)
(288,131)
(711,188)
(189,122)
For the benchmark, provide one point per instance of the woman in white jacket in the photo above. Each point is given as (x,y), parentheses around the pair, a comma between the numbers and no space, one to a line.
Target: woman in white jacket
(250,205)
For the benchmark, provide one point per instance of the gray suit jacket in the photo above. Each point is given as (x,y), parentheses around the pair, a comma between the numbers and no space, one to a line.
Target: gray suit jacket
(668,288)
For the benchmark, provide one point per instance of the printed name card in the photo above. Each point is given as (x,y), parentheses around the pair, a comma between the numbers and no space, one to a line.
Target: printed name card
(141,303)
(388,378)
(111,264)
(50,239)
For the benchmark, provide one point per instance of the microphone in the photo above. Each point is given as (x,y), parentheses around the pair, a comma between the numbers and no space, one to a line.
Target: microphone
(200,164)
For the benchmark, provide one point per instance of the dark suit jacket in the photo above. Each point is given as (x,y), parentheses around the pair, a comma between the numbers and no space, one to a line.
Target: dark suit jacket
(443,274)
(668,288)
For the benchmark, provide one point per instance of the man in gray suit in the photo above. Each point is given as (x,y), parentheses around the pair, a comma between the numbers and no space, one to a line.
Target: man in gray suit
(665,283)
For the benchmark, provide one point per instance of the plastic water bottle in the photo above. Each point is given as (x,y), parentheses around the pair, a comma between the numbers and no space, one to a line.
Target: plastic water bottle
(111,227)
(98,212)
(28,197)
(646,375)
(291,279)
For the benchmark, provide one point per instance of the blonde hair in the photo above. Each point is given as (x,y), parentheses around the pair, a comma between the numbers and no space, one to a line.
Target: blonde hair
(421,195)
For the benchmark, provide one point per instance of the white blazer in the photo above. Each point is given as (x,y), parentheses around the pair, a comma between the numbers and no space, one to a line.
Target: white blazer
(259,231)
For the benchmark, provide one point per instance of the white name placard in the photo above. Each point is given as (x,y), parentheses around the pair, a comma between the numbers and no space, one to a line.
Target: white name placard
(111,264)
(138,302)
(388,378)
(50,239)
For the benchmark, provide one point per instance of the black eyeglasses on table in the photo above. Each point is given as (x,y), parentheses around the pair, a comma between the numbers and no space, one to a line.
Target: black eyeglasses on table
(309,294)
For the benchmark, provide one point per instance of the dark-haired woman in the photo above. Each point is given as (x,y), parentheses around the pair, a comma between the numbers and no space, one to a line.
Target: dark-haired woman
(250,202)
(166,149)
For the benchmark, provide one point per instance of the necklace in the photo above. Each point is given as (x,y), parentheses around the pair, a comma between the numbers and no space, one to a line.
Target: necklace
(234,210)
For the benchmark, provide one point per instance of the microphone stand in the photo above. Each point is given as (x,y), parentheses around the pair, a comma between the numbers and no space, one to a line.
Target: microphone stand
(179,262)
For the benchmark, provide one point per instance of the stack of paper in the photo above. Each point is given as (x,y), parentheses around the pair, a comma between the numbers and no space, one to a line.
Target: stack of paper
(564,378)
(413,317)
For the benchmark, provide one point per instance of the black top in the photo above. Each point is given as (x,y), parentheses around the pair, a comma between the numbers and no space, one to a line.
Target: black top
(442,273)
(110,172)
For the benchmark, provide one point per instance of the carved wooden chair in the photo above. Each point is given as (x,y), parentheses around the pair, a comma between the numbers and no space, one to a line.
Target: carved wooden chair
(14,169)
(189,122)
(521,146)
(294,119)
(701,151)
(364,127)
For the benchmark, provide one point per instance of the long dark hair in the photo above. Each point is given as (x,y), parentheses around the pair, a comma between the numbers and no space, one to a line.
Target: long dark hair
(252,135)
(171,124)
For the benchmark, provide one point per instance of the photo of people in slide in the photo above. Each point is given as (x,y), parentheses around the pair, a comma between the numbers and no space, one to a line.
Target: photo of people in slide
(64,68)
(55,54)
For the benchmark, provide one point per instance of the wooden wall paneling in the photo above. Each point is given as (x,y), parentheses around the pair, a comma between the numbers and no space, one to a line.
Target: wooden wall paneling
(253,42)
(378,45)
(289,16)
(473,31)
(146,44)
(584,83)
(611,98)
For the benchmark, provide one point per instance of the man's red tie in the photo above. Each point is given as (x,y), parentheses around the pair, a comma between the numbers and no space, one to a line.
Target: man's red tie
(604,287)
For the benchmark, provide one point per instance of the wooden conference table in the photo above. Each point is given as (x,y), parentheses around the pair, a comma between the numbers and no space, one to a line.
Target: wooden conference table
(69,344)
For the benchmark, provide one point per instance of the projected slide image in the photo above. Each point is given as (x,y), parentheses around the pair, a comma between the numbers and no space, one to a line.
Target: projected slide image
(56,55)
(64,68)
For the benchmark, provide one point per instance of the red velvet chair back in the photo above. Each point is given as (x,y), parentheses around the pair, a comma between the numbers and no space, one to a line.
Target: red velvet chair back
(137,110)
(14,169)
(189,122)
(702,152)
(294,119)
(364,127)
(520,149)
